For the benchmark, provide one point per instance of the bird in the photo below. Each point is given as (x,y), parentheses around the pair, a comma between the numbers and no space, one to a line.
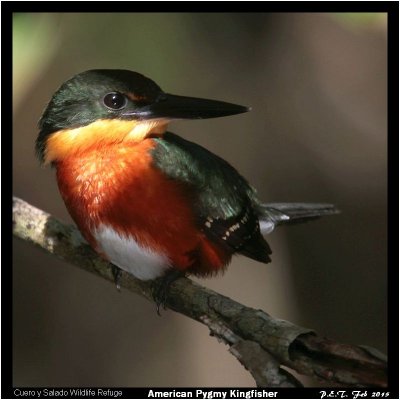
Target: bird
(147,200)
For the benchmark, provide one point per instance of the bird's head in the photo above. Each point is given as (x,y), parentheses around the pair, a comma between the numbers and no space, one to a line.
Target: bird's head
(103,107)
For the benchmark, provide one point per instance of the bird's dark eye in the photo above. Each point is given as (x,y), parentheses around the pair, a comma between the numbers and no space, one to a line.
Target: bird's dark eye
(115,101)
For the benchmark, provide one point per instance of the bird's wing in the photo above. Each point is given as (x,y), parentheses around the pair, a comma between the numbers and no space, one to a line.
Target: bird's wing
(224,202)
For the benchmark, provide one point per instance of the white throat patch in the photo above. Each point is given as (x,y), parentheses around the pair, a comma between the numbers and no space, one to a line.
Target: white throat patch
(124,252)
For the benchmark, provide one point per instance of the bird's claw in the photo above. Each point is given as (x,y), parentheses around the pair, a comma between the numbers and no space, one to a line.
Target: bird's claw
(117,273)
(162,286)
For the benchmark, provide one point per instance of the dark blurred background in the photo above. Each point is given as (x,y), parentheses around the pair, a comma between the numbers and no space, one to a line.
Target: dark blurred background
(317,132)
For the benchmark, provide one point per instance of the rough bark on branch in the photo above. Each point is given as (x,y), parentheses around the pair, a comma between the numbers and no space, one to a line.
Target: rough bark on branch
(260,342)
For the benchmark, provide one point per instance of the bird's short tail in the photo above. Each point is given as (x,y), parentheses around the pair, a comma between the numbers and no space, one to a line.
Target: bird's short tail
(273,214)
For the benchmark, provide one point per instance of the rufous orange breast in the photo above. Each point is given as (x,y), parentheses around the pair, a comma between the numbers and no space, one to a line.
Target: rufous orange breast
(133,214)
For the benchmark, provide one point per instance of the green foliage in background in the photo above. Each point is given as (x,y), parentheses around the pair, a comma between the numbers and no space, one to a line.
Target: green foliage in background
(360,20)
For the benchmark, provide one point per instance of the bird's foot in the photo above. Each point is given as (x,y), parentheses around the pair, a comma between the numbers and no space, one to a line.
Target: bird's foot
(117,273)
(162,286)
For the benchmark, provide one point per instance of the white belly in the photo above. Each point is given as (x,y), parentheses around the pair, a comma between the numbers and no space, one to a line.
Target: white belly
(124,252)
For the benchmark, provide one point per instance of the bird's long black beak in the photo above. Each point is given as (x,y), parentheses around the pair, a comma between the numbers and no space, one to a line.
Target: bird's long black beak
(170,106)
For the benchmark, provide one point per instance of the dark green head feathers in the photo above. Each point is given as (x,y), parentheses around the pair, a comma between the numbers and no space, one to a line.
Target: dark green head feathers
(83,98)
(93,95)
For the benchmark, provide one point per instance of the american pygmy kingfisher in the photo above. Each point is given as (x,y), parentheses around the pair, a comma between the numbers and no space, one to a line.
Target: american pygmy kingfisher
(144,198)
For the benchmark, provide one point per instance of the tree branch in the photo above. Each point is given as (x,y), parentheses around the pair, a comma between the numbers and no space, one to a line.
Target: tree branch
(260,342)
